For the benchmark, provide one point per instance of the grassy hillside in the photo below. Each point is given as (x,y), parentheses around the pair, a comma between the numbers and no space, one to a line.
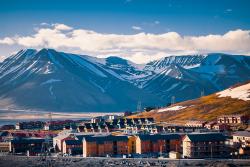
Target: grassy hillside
(206,108)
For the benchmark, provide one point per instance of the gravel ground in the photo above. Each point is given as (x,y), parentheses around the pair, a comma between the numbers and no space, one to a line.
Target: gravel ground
(15,161)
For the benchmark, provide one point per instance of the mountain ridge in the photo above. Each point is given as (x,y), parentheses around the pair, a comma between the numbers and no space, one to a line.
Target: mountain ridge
(113,83)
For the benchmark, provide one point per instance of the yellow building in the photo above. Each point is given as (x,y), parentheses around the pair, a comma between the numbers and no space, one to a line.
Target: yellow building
(132,144)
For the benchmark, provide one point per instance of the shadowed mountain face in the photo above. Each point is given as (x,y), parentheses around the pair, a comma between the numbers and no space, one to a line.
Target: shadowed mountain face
(49,80)
(56,81)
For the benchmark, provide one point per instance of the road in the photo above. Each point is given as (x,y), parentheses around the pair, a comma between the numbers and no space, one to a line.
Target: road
(21,161)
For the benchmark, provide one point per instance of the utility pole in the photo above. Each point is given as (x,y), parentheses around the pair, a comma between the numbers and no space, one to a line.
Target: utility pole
(50,121)
(211,150)
(139,106)
(202,93)
(172,100)
(50,117)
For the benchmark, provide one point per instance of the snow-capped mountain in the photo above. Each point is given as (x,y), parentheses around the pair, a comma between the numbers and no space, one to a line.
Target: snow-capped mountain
(225,70)
(51,80)
(55,81)
(188,61)
(187,77)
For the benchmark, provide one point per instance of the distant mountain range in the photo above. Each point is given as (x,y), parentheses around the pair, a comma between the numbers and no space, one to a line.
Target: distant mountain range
(56,81)
(234,100)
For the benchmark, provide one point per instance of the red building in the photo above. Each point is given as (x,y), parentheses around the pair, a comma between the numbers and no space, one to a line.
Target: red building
(158,143)
(99,146)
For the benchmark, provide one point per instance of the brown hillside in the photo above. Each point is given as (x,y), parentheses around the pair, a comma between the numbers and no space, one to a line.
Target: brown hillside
(206,108)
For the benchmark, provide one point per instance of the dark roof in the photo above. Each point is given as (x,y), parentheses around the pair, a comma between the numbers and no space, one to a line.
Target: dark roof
(102,126)
(27,141)
(4,133)
(150,119)
(101,139)
(73,126)
(73,142)
(206,137)
(242,133)
(80,137)
(159,136)
(110,126)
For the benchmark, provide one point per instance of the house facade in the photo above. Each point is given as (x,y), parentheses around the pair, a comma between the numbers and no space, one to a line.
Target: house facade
(33,145)
(242,137)
(72,147)
(100,146)
(232,119)
(157,143)
(204,145)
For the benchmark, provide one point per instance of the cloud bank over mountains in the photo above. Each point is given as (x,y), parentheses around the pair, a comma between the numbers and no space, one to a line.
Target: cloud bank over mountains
(140,47)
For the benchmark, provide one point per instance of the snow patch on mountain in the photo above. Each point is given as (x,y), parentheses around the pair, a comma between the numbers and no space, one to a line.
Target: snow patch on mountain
(241,92)
(84,63)
(50,81)
(114,74)
(98,86)
(174,108)
(172,87)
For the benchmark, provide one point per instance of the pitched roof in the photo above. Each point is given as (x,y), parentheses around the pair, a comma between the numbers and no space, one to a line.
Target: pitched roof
(242,133)
(80,137)
(27,141)
(159,136)
(201,137)
(103,138)
(73,142)
(4,133)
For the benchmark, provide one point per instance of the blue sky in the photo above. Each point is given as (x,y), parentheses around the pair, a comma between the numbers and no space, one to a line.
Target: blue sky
(186,17)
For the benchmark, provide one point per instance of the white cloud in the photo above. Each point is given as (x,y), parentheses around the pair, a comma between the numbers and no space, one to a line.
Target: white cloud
(136,28)
(139,47)
(7,40)
(44,24)
(62,27)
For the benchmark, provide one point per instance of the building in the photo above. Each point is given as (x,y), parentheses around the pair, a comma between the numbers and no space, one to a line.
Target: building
(4,146)
(244,151)
(210,125)
(221,127)
(242,137)
(33,145)
(58,125)
(232,119)
(157,143)
(30,125)
(203,145)
(174,155)
(195,124)
(3,135)
(100,146)
(58,140)
(110,117)
(8,127)
(97,119)
(72,147)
